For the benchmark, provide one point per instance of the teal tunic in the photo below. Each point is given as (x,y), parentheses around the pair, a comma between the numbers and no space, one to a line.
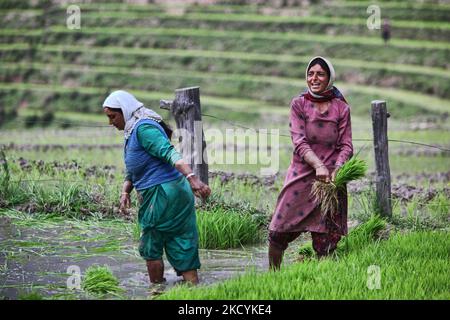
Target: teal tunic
(144,169)
(167,211)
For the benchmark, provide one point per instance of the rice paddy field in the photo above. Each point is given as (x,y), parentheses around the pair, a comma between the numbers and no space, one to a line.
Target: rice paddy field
(61,164)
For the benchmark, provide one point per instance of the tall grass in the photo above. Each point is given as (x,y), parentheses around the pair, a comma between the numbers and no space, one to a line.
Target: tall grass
(412,265)
(52,196)
(11,191)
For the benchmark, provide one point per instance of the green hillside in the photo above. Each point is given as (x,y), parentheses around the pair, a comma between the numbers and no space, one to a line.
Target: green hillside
(232,49)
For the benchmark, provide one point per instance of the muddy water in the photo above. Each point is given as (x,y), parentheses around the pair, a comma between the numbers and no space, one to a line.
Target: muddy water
(35,257)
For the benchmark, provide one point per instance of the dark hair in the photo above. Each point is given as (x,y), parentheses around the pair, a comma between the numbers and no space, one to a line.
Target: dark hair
(115,110)
(167,129)
(321,63)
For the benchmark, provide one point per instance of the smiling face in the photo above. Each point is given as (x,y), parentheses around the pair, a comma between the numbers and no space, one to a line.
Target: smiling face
(317,79)
(115,118)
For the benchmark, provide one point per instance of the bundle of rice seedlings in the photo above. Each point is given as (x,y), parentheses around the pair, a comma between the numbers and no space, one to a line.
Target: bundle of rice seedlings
(326,194)
(353,169)
(100,280)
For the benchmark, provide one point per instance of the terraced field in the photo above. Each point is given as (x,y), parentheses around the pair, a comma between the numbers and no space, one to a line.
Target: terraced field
(249,62)
(231,51)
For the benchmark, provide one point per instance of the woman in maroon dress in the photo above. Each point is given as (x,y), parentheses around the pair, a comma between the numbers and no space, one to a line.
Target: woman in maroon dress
(321,134)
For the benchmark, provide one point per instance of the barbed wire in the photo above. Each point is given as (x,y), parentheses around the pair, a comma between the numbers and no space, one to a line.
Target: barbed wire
(240,125)
(399,201)
(73,124)
(354,139)
(410,142)
(78,181)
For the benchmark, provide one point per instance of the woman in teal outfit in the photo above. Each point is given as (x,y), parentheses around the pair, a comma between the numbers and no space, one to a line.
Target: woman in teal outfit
(165,185)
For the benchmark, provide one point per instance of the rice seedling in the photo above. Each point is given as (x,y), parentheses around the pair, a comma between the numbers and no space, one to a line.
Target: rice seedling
(99,280)
(30,295)
(352,170)
(133,229)
(362,235)
(221,228)
(326,194)
(416,215)
(306,250)
(412,265)
(357,238)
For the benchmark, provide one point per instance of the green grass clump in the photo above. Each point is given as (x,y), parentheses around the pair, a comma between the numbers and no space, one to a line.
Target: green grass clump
(221,228)
(326,194)
(99,280)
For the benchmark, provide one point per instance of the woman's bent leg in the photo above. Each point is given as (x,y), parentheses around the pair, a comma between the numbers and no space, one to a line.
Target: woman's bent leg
(275,257)
(278,242)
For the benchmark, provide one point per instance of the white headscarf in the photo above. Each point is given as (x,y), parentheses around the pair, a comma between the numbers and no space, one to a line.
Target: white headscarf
(132,109)
(332,74)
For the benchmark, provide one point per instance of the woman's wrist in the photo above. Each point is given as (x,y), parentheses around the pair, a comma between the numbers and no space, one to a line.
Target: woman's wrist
(190,175)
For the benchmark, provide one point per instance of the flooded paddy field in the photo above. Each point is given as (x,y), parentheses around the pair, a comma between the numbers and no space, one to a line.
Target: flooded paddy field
(38,255)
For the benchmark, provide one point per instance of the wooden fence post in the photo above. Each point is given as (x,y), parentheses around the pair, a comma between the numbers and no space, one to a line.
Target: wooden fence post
(188,117)
(380,142)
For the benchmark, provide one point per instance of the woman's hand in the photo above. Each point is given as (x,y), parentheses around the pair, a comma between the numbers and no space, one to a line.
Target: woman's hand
(125,203)
(200,189)
(323,174)
(333,174)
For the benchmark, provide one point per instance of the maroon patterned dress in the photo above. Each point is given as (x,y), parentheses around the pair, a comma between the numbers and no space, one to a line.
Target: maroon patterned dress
(329,136)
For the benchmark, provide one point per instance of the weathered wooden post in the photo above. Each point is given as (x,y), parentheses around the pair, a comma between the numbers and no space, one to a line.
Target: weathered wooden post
(380,142)
(188,117)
